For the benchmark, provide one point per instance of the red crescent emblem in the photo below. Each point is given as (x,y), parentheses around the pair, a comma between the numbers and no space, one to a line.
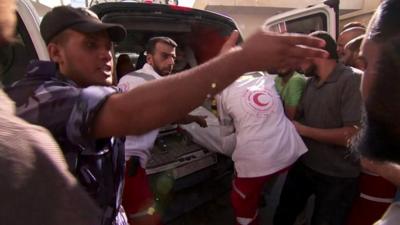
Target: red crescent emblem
(260,102)
(256,99)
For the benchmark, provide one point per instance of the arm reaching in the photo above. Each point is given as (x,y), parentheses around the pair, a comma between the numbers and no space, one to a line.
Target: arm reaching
(149,106)
(389,171)
(337,136)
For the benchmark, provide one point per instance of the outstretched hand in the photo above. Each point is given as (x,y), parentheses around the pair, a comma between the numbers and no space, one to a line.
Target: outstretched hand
(268,51)
(370,165)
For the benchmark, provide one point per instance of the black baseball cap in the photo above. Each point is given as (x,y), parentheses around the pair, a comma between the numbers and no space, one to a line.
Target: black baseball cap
(78,19)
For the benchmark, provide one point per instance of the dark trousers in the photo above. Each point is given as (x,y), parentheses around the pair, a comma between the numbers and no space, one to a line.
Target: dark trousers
(333,197)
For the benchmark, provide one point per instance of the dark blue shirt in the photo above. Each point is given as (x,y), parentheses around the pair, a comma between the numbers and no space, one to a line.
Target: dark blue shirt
(46,98)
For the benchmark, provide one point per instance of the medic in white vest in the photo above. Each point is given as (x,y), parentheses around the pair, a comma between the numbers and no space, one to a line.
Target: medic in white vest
(266,140)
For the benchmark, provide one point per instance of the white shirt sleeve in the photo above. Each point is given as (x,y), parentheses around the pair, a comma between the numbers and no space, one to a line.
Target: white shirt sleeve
(227,128)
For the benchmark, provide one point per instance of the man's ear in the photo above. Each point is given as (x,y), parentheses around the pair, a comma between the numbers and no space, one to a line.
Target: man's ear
(149,59)
(54,52)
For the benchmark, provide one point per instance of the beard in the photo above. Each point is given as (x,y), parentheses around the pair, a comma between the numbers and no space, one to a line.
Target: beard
(376,140)
(311,71)
(163,72)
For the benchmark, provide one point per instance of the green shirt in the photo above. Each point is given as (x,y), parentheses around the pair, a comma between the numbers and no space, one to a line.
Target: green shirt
(291,91)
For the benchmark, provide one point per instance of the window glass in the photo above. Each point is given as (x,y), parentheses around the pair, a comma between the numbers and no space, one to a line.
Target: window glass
(303,25)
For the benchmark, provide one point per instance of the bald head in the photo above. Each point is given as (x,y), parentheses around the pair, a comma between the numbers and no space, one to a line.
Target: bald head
(7,20)
(346,36)
(351,53)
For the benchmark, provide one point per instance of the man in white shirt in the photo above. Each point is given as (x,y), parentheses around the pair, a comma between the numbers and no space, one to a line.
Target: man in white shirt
(266,141)
(138,198)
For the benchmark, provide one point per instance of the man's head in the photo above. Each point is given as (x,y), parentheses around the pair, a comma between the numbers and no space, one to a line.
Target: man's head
(180,61)
(7,21)
(81,44)
(160,54)
(379,137)
(351,25)
(351,53)
(311,68)
(346,36)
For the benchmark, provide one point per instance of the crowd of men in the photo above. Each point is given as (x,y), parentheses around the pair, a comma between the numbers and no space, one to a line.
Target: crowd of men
(78,177)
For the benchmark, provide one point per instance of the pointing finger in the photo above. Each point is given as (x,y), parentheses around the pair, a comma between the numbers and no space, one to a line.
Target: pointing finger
(302,51)
(300,39)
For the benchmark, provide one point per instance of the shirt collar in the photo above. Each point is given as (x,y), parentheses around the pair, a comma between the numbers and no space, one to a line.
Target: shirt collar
(47,69)
(148,69)
(333,77)
(41,68)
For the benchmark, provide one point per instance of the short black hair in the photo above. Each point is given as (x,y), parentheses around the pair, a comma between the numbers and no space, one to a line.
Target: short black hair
(151,44)
(330,45)
(386,22)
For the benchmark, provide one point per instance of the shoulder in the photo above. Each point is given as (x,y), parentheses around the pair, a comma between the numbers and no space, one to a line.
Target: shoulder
(130,80)
(98,91)
(61,91)
(297,79)
(31,93)
(353,71)
(57,90)
(351,74)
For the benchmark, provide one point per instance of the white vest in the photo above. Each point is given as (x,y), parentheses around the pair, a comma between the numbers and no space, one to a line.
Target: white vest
(266,141)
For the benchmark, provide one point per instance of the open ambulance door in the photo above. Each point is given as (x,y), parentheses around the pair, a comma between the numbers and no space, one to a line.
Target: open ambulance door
(322,16)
